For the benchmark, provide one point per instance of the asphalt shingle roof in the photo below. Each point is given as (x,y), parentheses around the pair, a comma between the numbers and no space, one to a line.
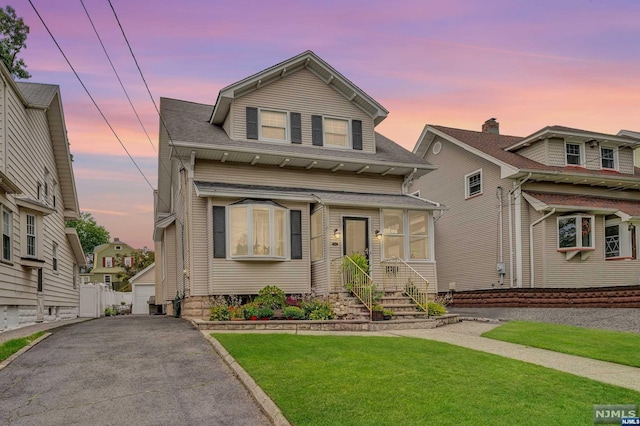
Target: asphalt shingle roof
(627,206)
(494,145)
(189,122)
(37,94)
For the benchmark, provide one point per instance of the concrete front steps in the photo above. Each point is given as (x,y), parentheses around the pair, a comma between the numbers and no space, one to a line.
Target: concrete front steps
(403,307)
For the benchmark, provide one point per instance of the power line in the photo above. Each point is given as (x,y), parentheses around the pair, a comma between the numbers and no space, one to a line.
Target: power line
(117,75)
(90,96)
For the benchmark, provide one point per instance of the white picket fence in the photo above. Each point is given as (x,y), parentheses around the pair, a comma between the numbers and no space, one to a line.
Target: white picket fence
(95,297)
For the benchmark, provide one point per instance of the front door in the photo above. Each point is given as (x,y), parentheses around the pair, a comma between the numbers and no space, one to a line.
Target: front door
(40,299)
(356,236)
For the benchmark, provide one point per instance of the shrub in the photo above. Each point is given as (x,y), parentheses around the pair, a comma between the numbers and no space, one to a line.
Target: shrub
(265,312)
(377,307)
(436,309)
(293,312)
(388,312)
(292,301)
(318,310)
(236,311)
(271,297)
(250,310)
(219,313)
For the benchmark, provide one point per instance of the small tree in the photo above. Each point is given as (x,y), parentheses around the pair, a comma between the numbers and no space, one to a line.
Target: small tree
(13,38)
(141,259)
(90,233)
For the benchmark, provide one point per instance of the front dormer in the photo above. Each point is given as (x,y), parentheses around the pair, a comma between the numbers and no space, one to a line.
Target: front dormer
(301,101)
(577,150)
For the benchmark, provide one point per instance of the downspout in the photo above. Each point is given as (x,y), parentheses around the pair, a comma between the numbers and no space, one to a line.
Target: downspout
(408,180)
(531,244)
(501,237)
(515,192)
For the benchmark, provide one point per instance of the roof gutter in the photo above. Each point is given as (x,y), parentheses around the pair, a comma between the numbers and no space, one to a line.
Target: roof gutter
(531,268)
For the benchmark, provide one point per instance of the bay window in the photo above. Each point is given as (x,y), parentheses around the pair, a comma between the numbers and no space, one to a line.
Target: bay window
(257,230)
(406,234)
(575,232)
(620,239)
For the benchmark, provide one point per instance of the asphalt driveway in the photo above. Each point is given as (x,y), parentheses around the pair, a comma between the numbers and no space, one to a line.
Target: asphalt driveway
(133,370)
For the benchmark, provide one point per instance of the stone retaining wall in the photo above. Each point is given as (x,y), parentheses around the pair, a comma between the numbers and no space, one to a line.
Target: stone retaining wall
(601,297)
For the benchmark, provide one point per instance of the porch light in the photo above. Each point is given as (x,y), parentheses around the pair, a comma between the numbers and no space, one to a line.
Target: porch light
(377,235)
(337,233)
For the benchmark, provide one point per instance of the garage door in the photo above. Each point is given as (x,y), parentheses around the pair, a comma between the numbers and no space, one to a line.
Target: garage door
(141,294)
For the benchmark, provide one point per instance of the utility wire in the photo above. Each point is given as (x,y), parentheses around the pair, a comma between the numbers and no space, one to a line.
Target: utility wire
(89,94)
(117,75)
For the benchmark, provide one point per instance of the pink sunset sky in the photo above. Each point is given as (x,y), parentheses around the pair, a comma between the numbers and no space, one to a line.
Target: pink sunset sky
(457,63)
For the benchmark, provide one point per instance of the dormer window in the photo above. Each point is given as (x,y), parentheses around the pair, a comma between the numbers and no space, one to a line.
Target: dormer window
(607,157)
(336,132)
(273,125)
(573,154)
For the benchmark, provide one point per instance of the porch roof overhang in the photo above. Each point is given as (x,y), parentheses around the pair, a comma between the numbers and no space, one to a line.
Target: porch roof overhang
(334,198)
(627,210)
(600,178)
(161,225)
(300,158)
(76,246)
(33,205)
(7,185)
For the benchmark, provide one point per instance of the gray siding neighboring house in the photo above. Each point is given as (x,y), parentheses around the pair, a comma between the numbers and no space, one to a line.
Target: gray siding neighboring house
(557,209)
(40,258)
(273,182)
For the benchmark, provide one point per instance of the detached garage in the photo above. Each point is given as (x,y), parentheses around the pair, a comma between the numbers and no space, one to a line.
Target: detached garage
(143,286)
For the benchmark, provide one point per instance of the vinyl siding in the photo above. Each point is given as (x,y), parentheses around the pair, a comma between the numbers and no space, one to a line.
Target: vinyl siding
(303,92)
(466,235)
(296,178)
(202,244)
(29,152)
(556,152)
(592,272)
(625,157)
(248,277)
(171,267)
(536,152)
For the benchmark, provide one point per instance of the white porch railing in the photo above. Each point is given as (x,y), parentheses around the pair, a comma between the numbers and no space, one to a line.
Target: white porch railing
(347,275)
(400,276)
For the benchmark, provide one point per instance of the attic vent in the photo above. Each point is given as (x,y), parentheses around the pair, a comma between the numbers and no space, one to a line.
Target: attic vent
(491,126)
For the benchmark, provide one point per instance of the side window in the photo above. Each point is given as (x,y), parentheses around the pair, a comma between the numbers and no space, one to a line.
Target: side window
(473,184)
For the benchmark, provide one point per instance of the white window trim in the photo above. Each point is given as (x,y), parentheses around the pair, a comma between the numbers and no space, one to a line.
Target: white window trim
(406,235)
(578,246)
(616,163)
(320,235)
(54,257)
(118,248)
(467,194)
(250,255)
(349,132)
(4,210)
(624,239)
(107,260)
(104,278)
(287,121)
(582,154)
(34,235)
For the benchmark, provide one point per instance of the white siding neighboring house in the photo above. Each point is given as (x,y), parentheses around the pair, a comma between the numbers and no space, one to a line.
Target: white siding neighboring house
(557,209)
(142,288)
(281,177)
(40,257)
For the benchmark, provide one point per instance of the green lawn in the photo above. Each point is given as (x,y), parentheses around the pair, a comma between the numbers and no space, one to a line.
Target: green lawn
(348,380)
(605,345)
(10,347)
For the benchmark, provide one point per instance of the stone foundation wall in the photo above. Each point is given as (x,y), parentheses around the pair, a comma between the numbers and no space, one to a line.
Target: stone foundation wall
(12,316)
(195,307)
(600,297)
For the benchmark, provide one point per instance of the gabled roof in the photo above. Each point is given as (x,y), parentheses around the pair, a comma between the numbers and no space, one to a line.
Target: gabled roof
(494,148)
(141,273)
(189,129)
(313,63)
(47,97)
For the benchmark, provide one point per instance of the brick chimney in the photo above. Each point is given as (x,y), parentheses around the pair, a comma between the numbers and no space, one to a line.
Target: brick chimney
(116,240)
(491,126)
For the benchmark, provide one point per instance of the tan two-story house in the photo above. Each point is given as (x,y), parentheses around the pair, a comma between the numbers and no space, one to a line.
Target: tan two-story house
(40,257)
(559,208)
(279,180)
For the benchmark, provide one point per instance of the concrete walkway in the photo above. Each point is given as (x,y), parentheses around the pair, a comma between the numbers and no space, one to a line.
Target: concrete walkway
(467,334)
(28,330)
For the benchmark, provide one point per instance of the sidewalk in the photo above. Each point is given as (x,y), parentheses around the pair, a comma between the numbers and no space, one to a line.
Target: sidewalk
(467,334)
(28,330)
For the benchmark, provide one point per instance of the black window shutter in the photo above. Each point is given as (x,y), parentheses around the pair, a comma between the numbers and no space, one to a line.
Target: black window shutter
(296,234)
(296,128)
(252,123)
(356,134)
(316,130)
(219,238)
